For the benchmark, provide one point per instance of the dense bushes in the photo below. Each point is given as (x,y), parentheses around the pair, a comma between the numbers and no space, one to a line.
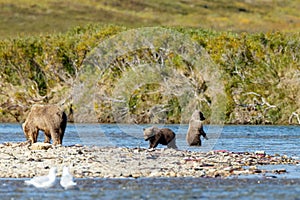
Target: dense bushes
(261,73)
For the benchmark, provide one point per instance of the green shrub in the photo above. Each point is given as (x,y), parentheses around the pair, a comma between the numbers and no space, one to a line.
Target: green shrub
(260,72)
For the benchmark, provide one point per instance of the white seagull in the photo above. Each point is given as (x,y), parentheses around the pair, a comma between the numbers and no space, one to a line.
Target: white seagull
(66,180)
(43,181)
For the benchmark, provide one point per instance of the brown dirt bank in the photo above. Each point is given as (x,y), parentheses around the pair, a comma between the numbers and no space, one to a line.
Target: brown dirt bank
(19,160)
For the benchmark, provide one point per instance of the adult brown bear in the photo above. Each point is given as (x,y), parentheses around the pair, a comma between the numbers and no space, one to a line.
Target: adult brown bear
(195,129)
(48,118)
(164,136)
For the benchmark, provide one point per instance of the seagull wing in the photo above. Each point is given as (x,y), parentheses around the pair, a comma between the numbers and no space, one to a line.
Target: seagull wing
(39,181)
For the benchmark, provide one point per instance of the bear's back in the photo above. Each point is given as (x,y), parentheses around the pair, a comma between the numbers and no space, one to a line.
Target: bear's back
(45,110)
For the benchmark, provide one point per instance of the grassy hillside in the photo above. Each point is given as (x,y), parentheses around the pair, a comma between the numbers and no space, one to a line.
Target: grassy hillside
(27,17)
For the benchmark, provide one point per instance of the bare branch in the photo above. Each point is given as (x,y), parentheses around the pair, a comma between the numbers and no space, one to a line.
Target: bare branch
(294,114)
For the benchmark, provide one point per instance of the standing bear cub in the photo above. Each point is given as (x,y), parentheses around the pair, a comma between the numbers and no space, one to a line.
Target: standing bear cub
(48,118)
(195,129)
(164,136)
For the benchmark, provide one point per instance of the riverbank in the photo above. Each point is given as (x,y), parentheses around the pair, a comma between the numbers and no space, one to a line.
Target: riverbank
(20,160)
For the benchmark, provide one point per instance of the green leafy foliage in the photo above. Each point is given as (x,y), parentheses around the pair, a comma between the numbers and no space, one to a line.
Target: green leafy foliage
(260,72)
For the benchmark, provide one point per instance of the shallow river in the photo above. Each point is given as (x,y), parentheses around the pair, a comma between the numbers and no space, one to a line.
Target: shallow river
(283,140)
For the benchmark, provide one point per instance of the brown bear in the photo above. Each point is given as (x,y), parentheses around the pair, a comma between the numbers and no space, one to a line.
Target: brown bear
(195,129)
(48,118)
(164,136)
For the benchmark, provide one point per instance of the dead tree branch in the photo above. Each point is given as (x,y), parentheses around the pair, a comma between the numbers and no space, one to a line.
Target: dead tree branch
(294,114)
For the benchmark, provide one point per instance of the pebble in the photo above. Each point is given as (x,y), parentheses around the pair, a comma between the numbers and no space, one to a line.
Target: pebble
(22,160)
(40,146)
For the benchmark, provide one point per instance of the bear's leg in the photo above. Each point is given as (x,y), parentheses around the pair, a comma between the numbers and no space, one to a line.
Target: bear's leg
(172,144)
(196,141)
(153,142)
(56,140)
(33,137)
(55,137)
(61,135)
(47,137)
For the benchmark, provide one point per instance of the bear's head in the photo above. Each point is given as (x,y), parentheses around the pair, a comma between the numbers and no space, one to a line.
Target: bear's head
(25,130)
(202,118)
(150,132)
(29,132)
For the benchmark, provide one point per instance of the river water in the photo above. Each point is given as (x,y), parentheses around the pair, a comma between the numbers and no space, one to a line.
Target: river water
(283,140)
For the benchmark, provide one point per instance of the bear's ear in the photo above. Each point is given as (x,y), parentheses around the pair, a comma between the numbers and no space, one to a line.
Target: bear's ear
(202,118)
